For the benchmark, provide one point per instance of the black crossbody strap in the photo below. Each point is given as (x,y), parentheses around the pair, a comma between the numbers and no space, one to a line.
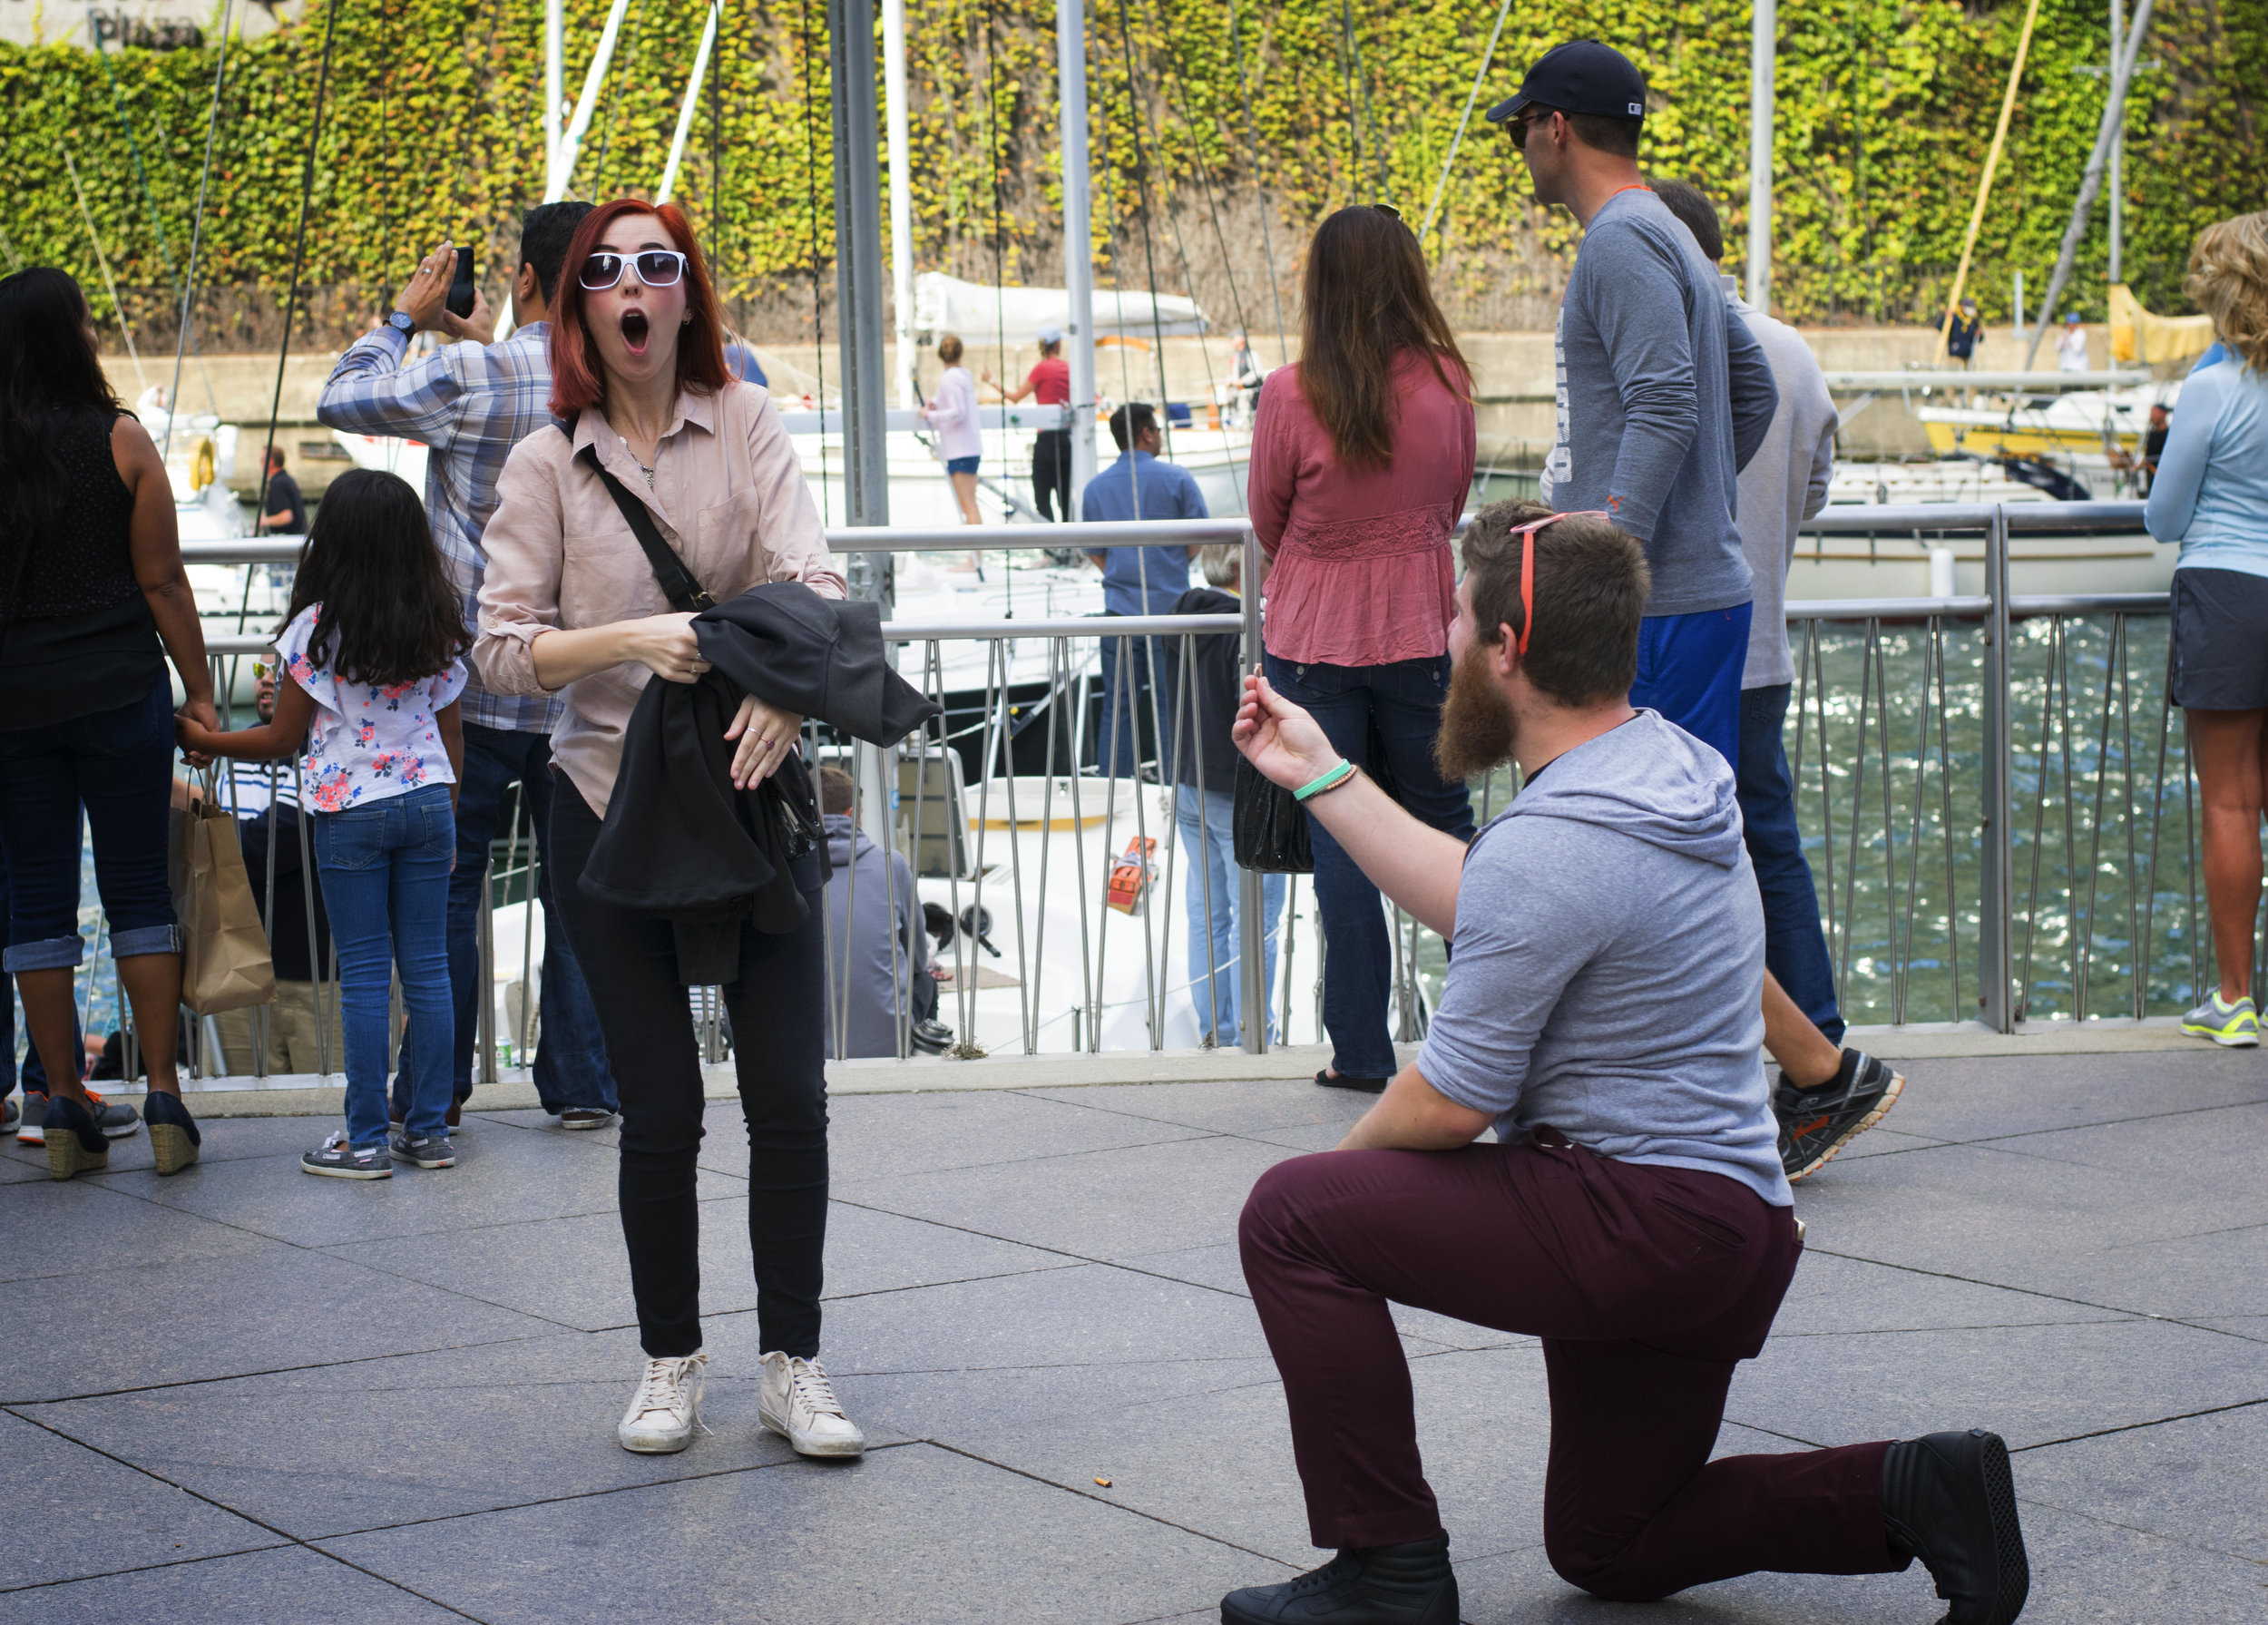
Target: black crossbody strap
(677,584)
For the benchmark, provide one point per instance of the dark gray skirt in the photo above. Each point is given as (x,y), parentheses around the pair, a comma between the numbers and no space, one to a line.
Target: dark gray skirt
(2220,640)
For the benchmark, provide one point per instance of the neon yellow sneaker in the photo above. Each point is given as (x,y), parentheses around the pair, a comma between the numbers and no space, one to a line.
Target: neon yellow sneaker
(2236,1026)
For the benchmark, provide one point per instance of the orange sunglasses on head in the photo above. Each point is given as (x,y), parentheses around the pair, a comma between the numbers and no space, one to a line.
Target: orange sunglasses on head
(1527,534)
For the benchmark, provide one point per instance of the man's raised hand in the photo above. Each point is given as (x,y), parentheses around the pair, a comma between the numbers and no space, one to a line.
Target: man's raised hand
(1287,744)
(427,291)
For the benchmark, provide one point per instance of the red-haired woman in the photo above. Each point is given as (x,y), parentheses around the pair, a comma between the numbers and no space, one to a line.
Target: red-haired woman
(571,605)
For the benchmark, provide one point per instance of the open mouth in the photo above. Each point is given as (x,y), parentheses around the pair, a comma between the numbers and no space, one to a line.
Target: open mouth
(635,330)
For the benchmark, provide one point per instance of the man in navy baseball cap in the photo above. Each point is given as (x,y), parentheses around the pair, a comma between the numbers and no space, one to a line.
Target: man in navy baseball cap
(1586,80)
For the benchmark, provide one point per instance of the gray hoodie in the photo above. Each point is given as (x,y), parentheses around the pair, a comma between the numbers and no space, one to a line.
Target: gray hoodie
(1608,974)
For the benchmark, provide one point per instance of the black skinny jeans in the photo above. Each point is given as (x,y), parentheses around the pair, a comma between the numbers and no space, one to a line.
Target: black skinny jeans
(630,962)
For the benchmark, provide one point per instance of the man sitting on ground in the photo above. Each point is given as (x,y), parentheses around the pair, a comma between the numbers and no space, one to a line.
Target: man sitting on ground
(1632,1212)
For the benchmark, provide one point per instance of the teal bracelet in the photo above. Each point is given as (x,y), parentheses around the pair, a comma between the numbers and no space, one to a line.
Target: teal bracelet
(1336,776)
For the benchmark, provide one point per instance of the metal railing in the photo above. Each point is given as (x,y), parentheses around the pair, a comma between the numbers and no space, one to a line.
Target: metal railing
(1996,799)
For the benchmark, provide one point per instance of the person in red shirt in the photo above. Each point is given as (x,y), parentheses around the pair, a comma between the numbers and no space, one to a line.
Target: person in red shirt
(1050,383)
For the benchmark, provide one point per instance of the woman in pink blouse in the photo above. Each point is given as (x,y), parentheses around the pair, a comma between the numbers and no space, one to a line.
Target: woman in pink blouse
(570,605)
(1361,461)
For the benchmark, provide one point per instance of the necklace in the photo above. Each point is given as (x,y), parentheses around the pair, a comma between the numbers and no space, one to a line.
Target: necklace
(633,458)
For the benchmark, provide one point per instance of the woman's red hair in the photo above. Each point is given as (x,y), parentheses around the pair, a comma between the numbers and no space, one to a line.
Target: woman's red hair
(578,379)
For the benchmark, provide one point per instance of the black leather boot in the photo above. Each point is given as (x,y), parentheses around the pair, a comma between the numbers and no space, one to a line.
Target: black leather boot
(1408,1584)
(1948,1500)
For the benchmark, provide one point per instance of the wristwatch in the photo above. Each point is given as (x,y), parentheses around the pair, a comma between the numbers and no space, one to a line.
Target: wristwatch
(400,322)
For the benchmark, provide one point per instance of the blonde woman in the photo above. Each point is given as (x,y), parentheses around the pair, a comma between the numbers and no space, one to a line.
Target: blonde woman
(2211,496)
(951,412)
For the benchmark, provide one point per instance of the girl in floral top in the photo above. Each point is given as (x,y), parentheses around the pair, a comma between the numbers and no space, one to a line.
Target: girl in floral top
(368,700)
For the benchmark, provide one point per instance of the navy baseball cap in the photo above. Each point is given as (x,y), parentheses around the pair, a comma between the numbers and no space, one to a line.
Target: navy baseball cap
(1580,76)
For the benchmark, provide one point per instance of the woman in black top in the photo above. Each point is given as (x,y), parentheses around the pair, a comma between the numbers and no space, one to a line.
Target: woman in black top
(90,585)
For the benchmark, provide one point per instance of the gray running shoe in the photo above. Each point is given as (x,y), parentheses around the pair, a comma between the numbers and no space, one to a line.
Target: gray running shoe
(10,1115)
(31,1123)
(338,1159)
(116,1120)
(2234,1026)
(1816,1123)
(426,1151)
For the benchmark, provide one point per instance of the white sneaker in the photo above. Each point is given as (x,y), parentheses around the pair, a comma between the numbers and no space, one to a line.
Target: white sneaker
(796,1401)
(667,1407)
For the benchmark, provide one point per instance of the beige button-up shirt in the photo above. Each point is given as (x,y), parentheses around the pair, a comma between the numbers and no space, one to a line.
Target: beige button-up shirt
(728,493)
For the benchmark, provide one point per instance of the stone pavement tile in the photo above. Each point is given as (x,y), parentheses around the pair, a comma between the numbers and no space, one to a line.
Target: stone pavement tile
(938,1359)
(2028,1383)
(500,1178)
(63,1227)
(575,1272)
(15,1171)
(1880,1140)
(1111,1204)
(2196,1481)
(2093,1571)
(913,1533)
(2255,1326)
(268,1310)
(882,1135)
(1976,1099)
(1519,1587)
(2188,1277)
(1832,1295)
(226,1140)
(377,1442)
(2212,1151)
(291,1582)
(1221,1462)
(1984,1214)
(1219,1266)
(1224,1106)
(72,1513)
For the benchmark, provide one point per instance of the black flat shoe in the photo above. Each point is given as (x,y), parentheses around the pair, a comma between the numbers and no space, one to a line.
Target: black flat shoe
(1408,1584)
(1331,1080)
(174,1137)
(1948,1500)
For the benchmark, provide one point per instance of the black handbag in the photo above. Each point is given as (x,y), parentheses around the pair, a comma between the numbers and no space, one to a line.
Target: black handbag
(1270,831)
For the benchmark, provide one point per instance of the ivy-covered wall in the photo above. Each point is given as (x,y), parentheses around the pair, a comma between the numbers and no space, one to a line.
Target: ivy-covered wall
(432,125)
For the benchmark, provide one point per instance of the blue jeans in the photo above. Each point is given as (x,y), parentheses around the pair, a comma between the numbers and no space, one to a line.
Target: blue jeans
(1689,671)
(1125,705)
(1210,852)
(116,767)
(1400,704)
(571,1067)
(386,885)
(1795,947)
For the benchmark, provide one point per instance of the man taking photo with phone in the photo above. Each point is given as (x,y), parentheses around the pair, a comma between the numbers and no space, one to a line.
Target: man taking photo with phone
(1631,1211)
(471,402)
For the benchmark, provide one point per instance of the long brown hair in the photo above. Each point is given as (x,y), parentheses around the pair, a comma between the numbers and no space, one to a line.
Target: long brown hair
(578,380)
(1365,298)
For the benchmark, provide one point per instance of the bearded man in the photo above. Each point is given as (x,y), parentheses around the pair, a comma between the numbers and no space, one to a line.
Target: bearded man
(1632,1212)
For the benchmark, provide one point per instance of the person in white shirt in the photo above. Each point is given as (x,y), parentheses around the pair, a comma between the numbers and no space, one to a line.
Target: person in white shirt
(2071,347)
(952,413)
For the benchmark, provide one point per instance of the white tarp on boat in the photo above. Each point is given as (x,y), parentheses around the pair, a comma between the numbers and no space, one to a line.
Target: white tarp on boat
(983,315)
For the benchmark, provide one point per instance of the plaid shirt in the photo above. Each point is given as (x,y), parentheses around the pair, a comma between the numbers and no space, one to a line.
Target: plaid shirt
(470,404)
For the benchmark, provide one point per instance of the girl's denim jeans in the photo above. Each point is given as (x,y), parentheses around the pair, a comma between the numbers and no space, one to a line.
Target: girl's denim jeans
(386,882)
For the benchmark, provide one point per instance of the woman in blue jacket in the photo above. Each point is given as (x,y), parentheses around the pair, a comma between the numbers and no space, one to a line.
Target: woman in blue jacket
(2211,496)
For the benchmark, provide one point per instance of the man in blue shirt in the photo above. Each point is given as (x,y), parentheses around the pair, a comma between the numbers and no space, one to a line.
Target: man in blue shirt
(1136,581)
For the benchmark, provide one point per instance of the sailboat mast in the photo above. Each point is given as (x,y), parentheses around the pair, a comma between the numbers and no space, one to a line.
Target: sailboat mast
(1078,270)
(1762,46)
(901,196)
(554,87)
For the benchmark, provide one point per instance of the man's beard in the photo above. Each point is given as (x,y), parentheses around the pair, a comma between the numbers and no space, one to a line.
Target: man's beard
(1476,728)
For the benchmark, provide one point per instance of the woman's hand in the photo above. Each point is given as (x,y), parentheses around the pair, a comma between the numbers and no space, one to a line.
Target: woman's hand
(665,645)
(1284,742)
(767,737)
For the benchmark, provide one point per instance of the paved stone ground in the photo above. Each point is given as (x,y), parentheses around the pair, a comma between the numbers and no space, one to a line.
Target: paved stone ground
(242,1394)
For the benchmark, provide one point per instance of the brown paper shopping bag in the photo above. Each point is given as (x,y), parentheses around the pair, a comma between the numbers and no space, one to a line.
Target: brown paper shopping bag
(224,953)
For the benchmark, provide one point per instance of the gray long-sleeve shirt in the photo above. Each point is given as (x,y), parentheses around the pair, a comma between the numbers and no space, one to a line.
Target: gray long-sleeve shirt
(869,900)
(1784,484)
(1663,398)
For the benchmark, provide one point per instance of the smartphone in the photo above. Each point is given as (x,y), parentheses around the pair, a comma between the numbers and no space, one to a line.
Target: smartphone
(460,300)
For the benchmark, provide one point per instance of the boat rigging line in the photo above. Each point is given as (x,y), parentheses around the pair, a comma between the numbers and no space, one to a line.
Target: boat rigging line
(133,149)
(103,265)
(1432,210)
(197,238)
(299,240)
(1984,185)
(1259,191)
(818,309)
(1150,257)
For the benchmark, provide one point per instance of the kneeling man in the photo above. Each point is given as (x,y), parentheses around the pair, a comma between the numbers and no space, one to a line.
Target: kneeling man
(1632,1212)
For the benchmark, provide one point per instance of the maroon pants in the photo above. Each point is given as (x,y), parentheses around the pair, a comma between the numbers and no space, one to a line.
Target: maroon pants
(1648,1285)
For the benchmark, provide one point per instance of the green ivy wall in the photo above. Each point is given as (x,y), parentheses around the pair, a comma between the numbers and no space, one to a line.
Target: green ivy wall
(431,123)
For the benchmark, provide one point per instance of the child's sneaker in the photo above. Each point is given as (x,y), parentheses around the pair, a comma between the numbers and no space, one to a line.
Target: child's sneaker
(2235,1025)
(426,1151)
(340,1160)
